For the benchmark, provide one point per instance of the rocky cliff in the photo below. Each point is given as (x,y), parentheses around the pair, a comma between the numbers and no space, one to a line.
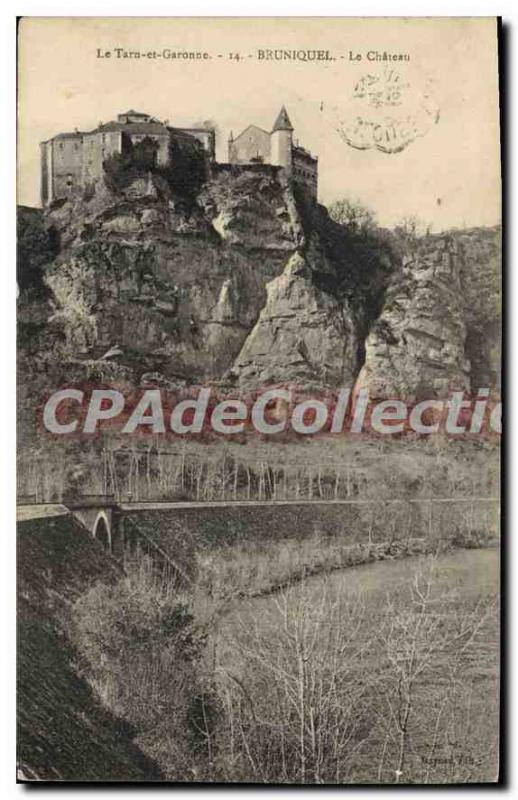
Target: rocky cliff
(439,329)
(247,286)
(302,334)
(175,290)
(416,347)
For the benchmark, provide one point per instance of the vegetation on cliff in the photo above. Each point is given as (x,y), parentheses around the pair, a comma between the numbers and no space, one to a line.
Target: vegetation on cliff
(321,682)
(37,246)
(184,174)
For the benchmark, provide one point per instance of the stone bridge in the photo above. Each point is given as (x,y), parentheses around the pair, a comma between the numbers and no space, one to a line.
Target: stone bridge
(96,513)
(169,532)
(103,516)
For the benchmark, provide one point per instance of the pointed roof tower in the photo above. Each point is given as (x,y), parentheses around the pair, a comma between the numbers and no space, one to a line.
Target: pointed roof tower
(282,123)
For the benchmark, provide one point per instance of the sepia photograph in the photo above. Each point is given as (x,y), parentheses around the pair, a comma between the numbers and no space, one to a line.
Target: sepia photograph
(259,345)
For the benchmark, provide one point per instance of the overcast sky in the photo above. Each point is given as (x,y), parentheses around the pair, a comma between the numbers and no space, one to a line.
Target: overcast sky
(449,177)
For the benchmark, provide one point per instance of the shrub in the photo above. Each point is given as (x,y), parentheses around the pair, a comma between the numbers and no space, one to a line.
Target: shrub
(135,161)
(140,650)
(184,173)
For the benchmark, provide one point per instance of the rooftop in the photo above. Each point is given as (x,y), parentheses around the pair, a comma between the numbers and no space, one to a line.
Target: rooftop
(146,124)
(133,113)
(153,126)
(282,123)
(301,151)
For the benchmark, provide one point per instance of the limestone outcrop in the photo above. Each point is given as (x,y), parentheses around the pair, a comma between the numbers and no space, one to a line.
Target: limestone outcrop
(416,347)
(302,334)
(176,287)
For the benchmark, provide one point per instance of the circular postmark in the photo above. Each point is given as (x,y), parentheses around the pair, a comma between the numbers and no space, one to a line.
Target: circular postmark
(386,112)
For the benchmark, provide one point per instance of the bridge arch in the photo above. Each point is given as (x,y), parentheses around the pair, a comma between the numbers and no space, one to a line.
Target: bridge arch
(102,530)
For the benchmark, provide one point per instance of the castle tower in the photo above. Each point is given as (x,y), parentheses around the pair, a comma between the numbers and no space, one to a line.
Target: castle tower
(281,140)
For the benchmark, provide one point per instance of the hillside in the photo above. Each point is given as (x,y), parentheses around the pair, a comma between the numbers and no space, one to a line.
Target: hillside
(64,732)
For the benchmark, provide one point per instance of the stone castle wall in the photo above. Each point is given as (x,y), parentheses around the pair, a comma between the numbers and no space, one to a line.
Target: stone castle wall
(252,145)
(70,162)
(255,145)
(305,172)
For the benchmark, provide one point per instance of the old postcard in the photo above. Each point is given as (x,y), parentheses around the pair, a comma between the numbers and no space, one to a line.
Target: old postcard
(259,416)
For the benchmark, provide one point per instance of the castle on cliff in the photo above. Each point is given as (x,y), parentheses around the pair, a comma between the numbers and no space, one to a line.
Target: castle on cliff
(255,145)
(74,161)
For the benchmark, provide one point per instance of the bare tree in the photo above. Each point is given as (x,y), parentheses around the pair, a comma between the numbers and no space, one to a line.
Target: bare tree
(322,688)
(428,645)
(411,228)
(353,214)
(293,691)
